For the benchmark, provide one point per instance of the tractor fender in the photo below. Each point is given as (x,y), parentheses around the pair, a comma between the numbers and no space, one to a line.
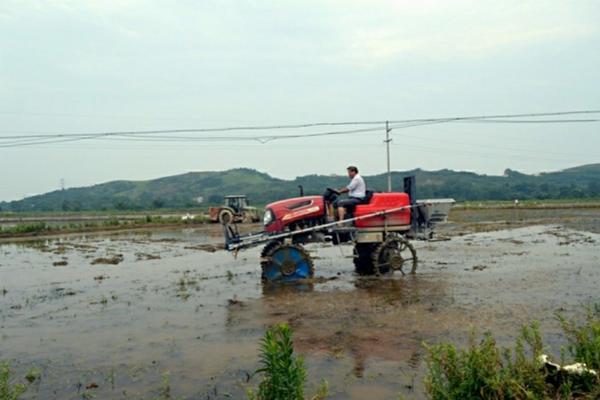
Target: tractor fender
(213,213)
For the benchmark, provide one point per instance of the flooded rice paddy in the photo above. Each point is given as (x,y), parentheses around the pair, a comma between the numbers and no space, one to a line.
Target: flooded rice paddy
(124,315)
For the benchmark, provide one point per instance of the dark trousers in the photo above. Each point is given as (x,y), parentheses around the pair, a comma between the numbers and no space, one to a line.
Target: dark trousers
(349,204)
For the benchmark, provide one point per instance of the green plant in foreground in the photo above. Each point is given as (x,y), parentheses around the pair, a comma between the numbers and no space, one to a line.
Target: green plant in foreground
(483,371)
(284,374)
(166,386)
(584,339)
(8,390)
(584,346)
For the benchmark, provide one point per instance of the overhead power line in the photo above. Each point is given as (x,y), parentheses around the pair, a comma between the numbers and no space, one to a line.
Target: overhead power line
(532,121)
(152,135)
(133,137)
(314,124)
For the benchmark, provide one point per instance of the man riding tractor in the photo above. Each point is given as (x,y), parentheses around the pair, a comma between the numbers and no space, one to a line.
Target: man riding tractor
(357,194)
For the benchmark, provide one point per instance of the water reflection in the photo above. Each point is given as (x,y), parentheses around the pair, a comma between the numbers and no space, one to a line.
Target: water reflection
(278,289)
(378,318)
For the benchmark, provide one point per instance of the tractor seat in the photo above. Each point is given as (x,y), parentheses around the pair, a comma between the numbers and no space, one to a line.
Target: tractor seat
(368,197)
(365,201)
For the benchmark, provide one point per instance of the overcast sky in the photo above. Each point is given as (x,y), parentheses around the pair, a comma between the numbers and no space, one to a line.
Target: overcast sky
(99,65)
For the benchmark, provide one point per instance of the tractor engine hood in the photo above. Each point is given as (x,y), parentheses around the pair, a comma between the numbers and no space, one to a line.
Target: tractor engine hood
(280,214)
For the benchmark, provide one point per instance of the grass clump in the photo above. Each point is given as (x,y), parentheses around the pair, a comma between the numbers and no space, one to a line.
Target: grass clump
(25,228)
(111,222)
(584,339)
(584,347)
(8,389)
(33,374)
(283,373)
(485,371)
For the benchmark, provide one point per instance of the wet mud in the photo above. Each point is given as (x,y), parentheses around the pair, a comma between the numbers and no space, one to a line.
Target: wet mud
(176,309)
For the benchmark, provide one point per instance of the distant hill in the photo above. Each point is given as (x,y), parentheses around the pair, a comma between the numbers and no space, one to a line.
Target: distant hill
(183,191)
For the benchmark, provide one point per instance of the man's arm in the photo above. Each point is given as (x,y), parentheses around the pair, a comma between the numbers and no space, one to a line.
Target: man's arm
(351,186)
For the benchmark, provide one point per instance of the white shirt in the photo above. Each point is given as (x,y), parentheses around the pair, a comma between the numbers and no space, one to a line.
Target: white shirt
(357,187)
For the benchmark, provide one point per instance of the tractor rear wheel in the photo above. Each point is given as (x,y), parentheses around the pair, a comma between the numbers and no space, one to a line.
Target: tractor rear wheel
(363,263)
(394,254)
(225,217)
(283,262)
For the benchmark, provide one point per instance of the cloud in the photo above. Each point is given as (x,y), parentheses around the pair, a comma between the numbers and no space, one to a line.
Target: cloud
(438,31)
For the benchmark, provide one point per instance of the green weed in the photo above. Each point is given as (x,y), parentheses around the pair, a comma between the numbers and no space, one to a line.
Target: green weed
(166,386)
(33,374)
(485,371)
(584,346)
(283,373)
(26,228)
(584,339)
(8,389)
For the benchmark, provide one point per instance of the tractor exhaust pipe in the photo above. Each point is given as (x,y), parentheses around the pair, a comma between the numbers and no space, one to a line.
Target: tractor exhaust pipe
(410,188)
(301,188)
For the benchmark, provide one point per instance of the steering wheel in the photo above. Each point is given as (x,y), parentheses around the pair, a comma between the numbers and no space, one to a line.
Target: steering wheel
(334,191)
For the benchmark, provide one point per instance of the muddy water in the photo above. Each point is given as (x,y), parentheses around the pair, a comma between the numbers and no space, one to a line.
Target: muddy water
(128,309)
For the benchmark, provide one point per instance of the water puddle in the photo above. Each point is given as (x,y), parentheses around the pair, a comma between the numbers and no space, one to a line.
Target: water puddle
(167,302)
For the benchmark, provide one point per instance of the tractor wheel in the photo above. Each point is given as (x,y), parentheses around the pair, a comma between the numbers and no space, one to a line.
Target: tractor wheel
(282,262)
(394,253)
(225,217)
(266,251)
(363,263)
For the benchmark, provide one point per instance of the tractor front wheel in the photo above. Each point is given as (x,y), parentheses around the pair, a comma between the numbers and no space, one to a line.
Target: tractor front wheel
(225,217)
(283,262)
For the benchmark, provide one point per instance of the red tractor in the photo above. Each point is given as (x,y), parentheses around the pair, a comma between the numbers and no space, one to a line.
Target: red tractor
(379,229)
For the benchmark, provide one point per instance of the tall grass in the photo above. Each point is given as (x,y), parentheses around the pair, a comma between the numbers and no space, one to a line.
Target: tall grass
(283,373)
(584,347)
(485,371)
(25,228)
(584,338)
(8,389)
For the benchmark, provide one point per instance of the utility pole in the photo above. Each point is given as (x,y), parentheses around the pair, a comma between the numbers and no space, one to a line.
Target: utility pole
(387,144)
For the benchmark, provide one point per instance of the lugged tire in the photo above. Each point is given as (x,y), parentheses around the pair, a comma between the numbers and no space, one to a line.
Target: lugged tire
(273,246)
(363,261)
(266,251)
(404,246)
(225,217)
